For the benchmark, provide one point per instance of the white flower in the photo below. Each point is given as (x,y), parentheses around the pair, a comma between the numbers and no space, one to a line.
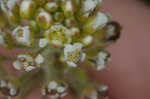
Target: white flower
(28,62)
(73,54)
(23,35)
(103,57)
(58,35)
(89,6)
(12,89)
(58,87)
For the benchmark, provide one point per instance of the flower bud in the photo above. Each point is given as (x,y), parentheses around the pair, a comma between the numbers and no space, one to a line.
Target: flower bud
(59,16)
(70,22)
(68,8)
(101,60)
(44,19)
(112,30)
(51,6)
(40,2)
(10,8)
(96,23)
(55,89)
(87,40)
(27,9)
(75,31)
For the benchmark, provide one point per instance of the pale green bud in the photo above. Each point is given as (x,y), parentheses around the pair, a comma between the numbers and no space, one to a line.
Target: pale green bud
(68,8)
(27,8)
(59,16)
(44,19)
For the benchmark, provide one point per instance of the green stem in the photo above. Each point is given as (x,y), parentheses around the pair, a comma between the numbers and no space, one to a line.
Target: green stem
(29,81)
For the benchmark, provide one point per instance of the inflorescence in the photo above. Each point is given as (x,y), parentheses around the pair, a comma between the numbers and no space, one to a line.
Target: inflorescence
(59,36)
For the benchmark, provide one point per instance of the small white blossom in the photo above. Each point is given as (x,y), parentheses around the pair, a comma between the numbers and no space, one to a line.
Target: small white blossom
(12,89)
(28,62)
(58,35)
(17,65)
(73,54)
(23,35)
(55,89)
(103,57)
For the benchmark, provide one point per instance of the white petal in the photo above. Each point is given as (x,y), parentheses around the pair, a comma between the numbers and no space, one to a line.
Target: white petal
(13,91)
(29,68)
(39,59)
(71,64)
(60,89)
(3,83)
(94,95)
(103,88)
(56,42)
(63,95)
(17,65)
(100,67)
(52,85)
(2,42)
(83,57)
(11,4)
(87,40)
(43,42)
(100,21)
(43,92)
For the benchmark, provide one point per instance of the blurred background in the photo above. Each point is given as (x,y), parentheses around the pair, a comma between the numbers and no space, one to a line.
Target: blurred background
(128,74)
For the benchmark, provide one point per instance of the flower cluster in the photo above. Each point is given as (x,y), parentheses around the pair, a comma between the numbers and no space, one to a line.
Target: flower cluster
(59,36)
